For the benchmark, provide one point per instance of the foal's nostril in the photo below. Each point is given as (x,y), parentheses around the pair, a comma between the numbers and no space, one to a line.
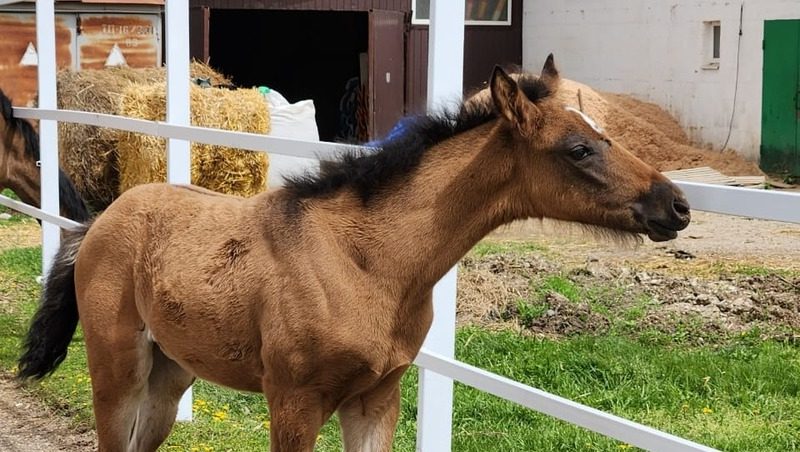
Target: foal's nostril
(681,207)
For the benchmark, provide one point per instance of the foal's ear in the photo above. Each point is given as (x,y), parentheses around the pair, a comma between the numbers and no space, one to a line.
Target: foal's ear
(550,75)
(512,103)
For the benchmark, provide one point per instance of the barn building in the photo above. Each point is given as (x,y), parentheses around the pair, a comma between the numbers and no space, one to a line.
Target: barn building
(327,49)
(363,62)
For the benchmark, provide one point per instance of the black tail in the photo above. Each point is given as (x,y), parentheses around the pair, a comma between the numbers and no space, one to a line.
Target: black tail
(72,203)
(54,323)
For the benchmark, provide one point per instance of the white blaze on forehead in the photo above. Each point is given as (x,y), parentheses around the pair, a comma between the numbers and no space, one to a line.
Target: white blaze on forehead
(588,120)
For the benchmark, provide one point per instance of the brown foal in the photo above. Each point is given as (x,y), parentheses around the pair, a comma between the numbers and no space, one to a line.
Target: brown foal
(318,294)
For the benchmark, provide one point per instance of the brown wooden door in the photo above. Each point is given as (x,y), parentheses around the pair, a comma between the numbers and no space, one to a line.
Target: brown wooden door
(199,26)
(386,70)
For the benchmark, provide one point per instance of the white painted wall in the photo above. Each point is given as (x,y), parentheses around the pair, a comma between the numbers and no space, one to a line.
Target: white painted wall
(656,50)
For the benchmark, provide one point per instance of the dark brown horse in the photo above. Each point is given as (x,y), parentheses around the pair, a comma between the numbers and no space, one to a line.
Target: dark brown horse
(318,294)
(19,170)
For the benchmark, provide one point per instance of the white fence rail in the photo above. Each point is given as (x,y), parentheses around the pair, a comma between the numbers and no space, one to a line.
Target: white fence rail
(743,202)
(598,421)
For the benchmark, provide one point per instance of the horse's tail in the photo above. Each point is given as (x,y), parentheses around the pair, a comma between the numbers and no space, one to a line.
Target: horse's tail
(56,319)
(71,201)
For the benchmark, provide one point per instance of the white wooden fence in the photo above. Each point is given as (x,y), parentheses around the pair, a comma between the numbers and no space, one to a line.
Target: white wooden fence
(437,366)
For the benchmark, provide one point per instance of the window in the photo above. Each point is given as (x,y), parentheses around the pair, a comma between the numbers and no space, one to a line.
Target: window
(711,43)
(715,45)
(477,12)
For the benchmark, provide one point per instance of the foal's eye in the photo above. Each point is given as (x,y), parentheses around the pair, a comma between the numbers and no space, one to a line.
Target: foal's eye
(580,152)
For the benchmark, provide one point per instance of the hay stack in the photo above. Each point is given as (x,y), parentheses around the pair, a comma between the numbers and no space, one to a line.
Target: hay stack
(88,153)
(142,158)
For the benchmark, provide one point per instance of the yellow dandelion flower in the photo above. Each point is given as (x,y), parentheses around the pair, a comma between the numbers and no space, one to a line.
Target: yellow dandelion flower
(265,424)
(220,415)
(707,410)
(624,446)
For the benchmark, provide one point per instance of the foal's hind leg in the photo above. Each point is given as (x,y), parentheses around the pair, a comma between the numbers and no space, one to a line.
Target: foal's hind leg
(157,411)
(369,420)
(120,360)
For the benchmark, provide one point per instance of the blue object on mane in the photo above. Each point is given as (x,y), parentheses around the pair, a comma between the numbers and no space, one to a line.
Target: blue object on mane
(397,131)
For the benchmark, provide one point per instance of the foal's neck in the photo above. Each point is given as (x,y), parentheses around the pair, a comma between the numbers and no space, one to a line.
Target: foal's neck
(460,192)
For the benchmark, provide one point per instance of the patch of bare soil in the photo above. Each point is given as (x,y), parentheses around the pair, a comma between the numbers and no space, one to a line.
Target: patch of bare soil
(723,276)
(500,291)
(19,235)
(26,425)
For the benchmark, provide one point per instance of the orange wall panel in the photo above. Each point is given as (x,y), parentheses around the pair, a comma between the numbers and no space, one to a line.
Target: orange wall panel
(135,35)
(17,81)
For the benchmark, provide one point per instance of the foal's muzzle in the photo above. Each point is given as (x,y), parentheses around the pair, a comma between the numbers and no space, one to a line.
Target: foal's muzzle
(662,212)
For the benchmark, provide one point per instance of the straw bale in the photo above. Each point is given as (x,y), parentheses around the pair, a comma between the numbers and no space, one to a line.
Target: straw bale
(88,153)
(142,158)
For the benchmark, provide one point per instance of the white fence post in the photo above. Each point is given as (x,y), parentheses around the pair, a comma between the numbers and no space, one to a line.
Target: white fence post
(178,112)
(48,129)
(445,84)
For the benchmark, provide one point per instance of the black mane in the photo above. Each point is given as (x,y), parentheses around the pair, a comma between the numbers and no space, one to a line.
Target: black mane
(401,152)
(71,201)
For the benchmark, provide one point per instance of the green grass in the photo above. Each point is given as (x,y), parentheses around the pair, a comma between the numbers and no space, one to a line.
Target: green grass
(487,247)
(528,311)
(16,217)
(740,396)
(561,285)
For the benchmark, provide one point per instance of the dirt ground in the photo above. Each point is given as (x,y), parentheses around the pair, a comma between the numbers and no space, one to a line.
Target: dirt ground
(723,275)
(26,425)
(709,237)
(683,277)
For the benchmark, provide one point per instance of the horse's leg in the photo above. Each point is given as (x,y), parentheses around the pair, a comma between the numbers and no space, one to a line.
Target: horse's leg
(165,386)
(296,417)
(118,348)
(369,420)
(119,363)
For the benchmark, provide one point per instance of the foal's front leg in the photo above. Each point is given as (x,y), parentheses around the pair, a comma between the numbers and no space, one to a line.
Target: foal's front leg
(369,420)
(296,417)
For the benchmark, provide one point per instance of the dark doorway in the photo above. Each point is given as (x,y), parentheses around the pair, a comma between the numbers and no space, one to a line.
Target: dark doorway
(301,54)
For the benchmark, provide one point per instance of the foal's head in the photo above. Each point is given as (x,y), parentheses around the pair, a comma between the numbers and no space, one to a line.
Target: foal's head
(572,170)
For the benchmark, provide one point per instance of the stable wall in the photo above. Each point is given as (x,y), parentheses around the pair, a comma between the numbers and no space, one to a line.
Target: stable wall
(659,52)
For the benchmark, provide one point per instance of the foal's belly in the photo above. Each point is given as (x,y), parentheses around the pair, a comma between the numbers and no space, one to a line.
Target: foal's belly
(216,344)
